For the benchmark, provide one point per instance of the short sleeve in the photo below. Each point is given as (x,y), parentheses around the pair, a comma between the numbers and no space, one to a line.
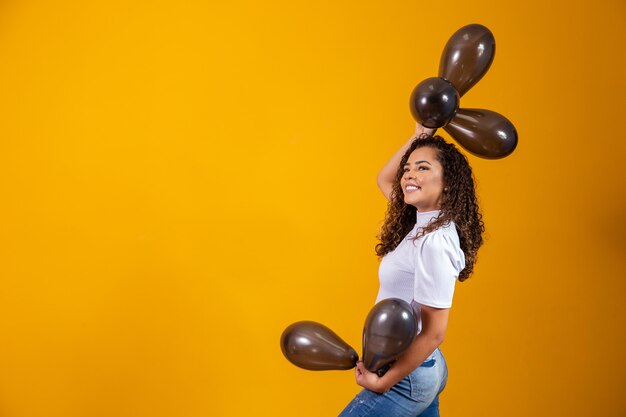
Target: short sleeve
(437,267)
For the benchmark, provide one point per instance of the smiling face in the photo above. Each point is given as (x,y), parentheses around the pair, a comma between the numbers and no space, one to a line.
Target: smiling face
(422,181)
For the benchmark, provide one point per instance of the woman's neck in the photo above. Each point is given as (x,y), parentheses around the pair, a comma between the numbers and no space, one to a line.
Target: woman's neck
(425,217)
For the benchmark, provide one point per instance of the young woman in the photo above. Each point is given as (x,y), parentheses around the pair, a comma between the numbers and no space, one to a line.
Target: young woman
(432,232)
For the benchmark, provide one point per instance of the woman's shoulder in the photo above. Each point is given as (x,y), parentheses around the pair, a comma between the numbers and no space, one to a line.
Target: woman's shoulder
(444,238)
(445,234)
(444,241)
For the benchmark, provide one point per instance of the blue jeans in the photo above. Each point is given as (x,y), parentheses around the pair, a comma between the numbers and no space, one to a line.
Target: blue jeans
(415,395)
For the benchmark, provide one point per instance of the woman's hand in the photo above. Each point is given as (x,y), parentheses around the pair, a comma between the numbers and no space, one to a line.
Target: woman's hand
(368,379)
(420,130)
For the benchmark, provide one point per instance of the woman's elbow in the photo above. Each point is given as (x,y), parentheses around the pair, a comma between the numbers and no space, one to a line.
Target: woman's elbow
(380,180)
(436,337)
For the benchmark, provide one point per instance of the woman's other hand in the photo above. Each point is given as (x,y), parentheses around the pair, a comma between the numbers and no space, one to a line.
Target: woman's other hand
(368,379)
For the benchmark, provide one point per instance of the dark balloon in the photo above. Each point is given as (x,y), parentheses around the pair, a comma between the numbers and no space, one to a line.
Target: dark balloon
(484,133)
(389,330)
(313,346)
(467,56)
(434,102)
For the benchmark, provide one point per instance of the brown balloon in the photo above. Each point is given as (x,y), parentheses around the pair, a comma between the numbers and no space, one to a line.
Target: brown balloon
(434,102)
(313,346)
(467,56)
(484,133)
(389,330)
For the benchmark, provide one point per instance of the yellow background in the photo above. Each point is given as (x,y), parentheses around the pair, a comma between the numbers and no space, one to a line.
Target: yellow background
(181,181)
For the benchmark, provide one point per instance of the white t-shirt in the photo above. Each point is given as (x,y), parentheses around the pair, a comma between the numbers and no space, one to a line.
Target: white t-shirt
(423,271)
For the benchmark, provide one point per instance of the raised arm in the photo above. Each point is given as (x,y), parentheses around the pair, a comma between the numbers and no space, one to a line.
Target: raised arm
(387,175)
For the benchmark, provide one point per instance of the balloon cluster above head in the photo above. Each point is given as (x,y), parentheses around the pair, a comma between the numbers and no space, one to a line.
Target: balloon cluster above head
(435,101)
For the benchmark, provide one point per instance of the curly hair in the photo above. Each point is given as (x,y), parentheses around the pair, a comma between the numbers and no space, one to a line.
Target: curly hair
(458,204)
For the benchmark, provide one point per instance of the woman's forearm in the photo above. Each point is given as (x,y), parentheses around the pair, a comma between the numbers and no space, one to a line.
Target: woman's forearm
(434,324)
(416,354)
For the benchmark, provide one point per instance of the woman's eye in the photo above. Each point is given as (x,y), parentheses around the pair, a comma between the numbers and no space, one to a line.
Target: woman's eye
(422,168)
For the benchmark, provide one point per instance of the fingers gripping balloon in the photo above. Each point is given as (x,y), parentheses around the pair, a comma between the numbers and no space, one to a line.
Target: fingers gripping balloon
(435,101)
